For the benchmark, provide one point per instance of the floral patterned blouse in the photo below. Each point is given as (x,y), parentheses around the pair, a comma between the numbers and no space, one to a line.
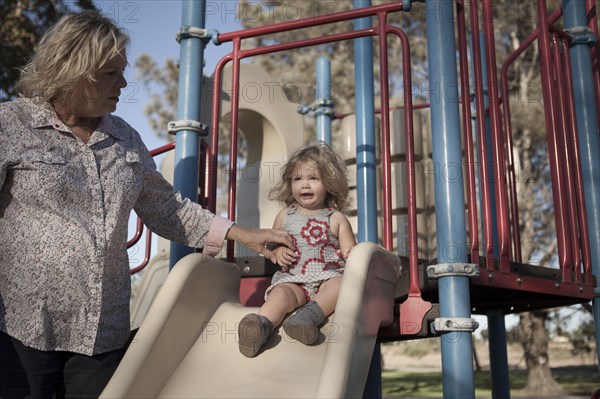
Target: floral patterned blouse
(64,211)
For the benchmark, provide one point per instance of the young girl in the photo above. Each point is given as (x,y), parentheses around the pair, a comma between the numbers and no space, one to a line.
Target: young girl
(314,187)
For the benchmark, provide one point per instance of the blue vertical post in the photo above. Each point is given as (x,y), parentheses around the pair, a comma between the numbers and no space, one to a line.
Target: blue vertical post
(457,351)
(187,142)
(324,109)
(496,326)
(589,138)
(366,166)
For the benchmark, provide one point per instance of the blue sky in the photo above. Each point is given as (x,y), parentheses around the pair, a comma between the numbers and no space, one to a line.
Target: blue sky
(152,25)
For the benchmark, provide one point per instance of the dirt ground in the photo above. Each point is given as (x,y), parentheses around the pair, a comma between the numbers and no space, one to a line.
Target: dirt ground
(425,355)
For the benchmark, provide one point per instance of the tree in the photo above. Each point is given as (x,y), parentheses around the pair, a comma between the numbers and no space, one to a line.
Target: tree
(161,84)
(535,343)
(23,22)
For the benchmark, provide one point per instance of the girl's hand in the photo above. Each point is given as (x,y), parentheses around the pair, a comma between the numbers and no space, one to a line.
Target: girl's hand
(284,255)
(343,253)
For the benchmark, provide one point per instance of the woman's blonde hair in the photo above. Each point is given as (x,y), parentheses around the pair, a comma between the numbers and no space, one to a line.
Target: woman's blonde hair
(332,172)
(75,48)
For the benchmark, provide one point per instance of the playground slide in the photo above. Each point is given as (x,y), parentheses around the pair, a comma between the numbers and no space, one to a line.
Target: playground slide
(187,345)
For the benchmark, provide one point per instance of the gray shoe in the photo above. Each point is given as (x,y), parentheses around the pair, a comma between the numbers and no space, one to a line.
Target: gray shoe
(254,331)
(304,324)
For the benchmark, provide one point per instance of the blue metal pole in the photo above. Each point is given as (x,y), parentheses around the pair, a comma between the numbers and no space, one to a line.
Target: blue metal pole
(324,104)
(366,182)
(187,142)
(496,326)
(457,350)
(589,138)
(365,131)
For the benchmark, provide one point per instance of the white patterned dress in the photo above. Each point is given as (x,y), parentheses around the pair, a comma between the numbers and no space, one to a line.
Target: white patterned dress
(317,258)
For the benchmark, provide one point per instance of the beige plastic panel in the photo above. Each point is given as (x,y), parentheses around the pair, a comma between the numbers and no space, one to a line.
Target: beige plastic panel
(353,194)
(273,130)
(399,186)
(402,244)
(153,278)
(397,138)
(187,345)
(347,149)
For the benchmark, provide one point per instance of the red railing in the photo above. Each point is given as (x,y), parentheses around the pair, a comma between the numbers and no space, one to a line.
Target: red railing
(567,183)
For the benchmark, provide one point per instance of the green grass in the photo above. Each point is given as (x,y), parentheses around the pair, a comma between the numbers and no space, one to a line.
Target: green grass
(574,380)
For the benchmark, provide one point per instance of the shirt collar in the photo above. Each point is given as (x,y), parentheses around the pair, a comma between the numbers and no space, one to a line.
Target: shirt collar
(43,115)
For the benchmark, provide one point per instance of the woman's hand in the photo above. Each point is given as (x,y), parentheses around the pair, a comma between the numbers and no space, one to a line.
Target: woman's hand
(257,239)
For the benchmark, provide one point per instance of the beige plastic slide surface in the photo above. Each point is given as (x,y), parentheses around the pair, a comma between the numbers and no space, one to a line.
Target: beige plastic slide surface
(187,345)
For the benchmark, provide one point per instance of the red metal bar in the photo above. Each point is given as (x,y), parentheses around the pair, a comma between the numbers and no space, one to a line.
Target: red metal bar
(233,136)
(146,256)
(410,162)
(551,113)
(573,143)
(310,21)
(516,233)
(213,157)
(386,172)
(482,141)
(307,42)
(535,284)
(468,134)
(565,156)
(162,149)
(139,228)
(501,189)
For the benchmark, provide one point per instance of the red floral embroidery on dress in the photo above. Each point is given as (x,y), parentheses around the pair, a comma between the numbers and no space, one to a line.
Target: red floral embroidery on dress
(315,232)
(309,262)
(320,262)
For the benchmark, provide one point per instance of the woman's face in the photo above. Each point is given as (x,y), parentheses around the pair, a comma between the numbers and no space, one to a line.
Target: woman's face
(98,98)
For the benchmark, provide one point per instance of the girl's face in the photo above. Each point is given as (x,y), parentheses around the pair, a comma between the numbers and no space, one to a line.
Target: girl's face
(307,188)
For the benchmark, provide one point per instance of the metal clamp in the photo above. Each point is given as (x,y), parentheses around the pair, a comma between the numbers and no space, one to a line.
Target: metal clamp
(581,35)
(453,269)
(174,126)
(452,324)
(319,107)
(185,32)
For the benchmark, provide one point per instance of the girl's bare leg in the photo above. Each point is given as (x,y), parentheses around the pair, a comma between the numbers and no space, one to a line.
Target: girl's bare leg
(283,299)
(328,294)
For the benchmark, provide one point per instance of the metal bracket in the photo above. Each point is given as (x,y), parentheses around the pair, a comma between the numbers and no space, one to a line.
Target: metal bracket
(448,324)
(319,107)
(174,126)
(581,35)
(185,32)
(453,269)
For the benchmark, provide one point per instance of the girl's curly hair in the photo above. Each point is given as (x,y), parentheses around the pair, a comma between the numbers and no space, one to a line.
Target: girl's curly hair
(332,172)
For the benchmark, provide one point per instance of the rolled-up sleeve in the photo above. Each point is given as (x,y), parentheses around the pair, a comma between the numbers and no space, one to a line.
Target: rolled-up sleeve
(175,218)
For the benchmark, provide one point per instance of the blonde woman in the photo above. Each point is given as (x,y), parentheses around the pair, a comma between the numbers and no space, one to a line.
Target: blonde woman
(314,187)
(70,174)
